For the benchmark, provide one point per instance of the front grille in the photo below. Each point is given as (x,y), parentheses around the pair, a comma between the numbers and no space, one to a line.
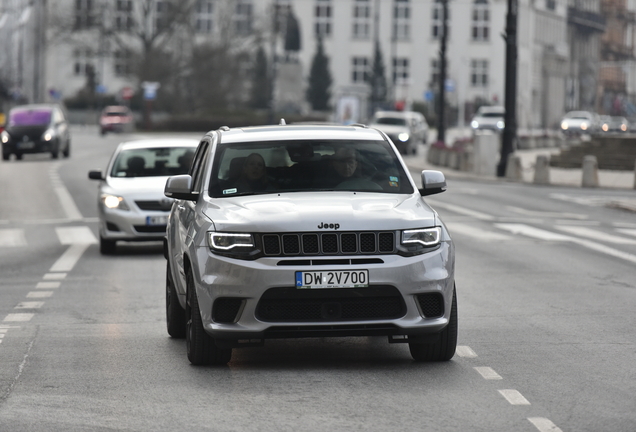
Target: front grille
(330,305)
(150,228)
(431,305)
(225,310)
(346,243)
(163,205)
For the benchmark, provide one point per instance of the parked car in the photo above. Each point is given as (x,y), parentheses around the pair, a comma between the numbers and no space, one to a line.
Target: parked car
(405,128)
(41,128)
(116,118)
(489,118)
(614,124)
(131,203)
(306,231)
(576,123)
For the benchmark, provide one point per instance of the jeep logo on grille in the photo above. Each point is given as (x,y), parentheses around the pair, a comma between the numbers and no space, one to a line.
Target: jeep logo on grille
(325,225)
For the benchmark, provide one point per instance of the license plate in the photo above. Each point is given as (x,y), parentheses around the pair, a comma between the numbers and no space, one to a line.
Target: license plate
(332,279)
(26,145)
(157,220)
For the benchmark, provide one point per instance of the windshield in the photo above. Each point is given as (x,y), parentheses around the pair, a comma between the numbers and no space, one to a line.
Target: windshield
(151,162)
(492,114)
(306,166)
(31,117)
(391,121)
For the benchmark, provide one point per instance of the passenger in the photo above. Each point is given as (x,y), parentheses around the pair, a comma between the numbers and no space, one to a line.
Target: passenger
(343,172)
(254,175)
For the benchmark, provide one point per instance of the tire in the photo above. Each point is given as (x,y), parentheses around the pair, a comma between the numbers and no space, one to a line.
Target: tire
(200,346)
(175,315)
(107,247)
(18,156)
(444,348)
(67,151)
(102,132)
(5,156)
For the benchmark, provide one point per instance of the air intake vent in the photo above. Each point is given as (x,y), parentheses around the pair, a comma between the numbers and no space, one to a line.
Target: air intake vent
(431,305)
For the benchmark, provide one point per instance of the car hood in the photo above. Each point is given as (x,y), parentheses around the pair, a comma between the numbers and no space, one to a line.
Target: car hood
(390,129)
(32,131)
(137,185)
(306,212)
(492,121)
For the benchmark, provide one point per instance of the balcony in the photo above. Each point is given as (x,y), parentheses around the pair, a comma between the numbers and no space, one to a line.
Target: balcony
(586,21)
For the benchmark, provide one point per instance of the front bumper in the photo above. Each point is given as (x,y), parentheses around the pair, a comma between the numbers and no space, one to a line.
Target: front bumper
(132,225)
(34,146)
(398,283)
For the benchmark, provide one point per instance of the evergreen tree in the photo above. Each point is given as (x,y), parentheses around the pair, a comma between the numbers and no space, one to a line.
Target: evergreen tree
(318,92)
(378,79)
(260,95)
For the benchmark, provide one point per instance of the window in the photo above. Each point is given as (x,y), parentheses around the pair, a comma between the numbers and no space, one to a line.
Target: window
(479,73)
(204,16)
(401,19)
(323,17)
(83,60)
(122,63)
(360,70)
(400,70)
(123,15)
(437,23)
(243,17)
(480,20)
(362,19)
(84,14)
(162,17)
(550,5)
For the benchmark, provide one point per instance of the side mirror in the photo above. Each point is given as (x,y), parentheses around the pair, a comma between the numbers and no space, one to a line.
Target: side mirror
(95,175)
(433,182)
(180,187)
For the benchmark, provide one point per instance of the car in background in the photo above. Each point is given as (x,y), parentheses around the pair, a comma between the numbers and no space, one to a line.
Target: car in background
(614,124)
(131,203)
(116,118)
(41,128)
(577,123)
(306,231)
(489,118)
(405,128)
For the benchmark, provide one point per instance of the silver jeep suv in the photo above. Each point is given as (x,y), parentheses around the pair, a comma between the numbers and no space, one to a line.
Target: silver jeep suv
(296,231)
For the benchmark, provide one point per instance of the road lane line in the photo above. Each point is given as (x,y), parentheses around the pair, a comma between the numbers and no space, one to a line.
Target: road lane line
(533,232)
(596,235)
(12,237)
(543,424)
(465,351)
(514,397)
(68,260)
(39,294)
(546,214)
(29,305)
(488,373)
(18,317)
(63,195)
(54,276)
(75,235)
(631,232)
(460,210)
(476,233)
(48,285)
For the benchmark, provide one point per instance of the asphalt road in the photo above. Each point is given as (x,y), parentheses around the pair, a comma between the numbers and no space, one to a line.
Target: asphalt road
(546,281)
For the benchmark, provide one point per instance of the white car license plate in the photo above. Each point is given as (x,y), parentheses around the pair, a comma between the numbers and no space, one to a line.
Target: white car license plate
(156,220)
(332,279)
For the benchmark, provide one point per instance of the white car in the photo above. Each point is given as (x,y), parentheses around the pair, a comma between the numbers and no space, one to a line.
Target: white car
(131,203)
(576,123)
(405,128)
(306,231)
(489,118)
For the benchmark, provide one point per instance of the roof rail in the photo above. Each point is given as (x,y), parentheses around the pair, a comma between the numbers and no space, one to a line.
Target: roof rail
(360,125)
(224,128)
(282,122)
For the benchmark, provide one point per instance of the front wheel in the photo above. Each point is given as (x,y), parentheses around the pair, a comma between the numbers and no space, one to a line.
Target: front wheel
(200,346)
(107,247)
(444,348)
(175,315)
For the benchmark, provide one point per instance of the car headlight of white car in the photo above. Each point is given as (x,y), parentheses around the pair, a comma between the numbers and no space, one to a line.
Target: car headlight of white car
(500,124)
(403,137)
(474,124)
(234,245)
(426,237)
(564,125)
(114,202)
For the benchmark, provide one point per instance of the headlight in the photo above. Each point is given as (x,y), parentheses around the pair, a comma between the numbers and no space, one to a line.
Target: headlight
(624,127)
(114,202)
(48,135)
(583,126)
(5,137)
(474,124)
(564,125)
(227,241)
(425,237)
(500,124)
(605,127)
(404,137)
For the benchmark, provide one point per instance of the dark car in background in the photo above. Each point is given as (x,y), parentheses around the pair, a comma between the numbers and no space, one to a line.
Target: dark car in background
(42,128)
(116,118)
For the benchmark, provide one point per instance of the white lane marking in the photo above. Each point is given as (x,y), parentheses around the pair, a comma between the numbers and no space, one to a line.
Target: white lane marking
(1,335)
(606,250)
(29,305)
(63,195)
(47,285)
(476,233)
(508,219)
(591,234)
(12,237)
(488,373)
(68,260)
(631,232)
(576,222)
(624,225)
(39,294)
(533,232)
(460,210)
(18,317)
(465,351)
(514,397)
(543,424)
(75,235)
(54,276)
(3,330)
(546,214)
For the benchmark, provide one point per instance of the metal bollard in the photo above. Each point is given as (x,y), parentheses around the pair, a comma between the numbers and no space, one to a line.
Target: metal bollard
(513,168)
(542,170)
(590,171)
